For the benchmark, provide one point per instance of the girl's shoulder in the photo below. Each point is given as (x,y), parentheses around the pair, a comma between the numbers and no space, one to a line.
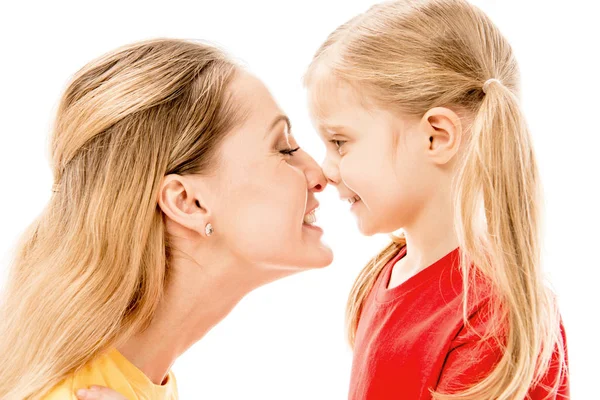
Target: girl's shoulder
(480,344)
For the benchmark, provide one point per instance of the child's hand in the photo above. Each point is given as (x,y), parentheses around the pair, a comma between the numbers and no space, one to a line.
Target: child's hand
(99,393)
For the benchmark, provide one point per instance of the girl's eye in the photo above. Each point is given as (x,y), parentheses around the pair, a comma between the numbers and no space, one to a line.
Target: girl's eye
(338,143)
(289,152)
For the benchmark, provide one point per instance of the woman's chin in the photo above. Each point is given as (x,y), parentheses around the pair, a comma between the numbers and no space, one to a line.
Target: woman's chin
(317,256)
(325,257)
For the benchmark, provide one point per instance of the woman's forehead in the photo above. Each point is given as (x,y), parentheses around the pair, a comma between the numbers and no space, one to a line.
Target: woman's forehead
(251,94)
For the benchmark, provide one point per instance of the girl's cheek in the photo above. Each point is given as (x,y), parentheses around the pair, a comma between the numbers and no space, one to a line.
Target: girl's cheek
(343,168)
(351,169)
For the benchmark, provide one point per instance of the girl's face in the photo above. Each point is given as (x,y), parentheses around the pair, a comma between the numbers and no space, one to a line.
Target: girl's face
(264,188)
(376,160)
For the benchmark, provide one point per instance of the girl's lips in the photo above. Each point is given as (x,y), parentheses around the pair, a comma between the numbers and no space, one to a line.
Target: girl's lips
(352,199)
(355,204)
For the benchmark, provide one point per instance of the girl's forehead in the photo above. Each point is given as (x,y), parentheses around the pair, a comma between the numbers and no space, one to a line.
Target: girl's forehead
(330,99)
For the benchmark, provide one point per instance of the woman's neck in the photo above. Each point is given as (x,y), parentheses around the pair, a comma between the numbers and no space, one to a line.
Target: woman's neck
(194,302)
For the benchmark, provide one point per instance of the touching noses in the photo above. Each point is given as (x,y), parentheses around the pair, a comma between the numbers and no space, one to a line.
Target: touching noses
(315,178)
(331,171)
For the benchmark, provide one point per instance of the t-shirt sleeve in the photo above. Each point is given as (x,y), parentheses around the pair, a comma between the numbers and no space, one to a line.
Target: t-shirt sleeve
(554,372)
(470,359)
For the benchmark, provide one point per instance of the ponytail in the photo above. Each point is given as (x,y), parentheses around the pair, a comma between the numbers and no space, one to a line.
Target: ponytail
(500,176)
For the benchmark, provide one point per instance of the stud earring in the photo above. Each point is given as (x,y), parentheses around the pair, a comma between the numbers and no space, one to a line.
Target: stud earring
(209,229)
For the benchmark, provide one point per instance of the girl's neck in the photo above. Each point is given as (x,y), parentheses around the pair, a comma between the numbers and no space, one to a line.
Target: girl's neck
(429,237)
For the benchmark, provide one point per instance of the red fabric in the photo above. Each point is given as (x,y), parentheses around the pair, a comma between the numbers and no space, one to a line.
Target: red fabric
(412,338)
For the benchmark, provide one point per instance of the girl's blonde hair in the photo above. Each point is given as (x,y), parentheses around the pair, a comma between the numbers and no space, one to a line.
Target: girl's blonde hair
(415,55)
(91,269)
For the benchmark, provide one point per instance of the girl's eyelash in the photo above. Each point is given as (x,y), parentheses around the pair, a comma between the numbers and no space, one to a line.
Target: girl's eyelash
(338,143)
(289,152)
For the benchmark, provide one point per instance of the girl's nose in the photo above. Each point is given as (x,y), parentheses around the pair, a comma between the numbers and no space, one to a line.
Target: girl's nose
(330,172)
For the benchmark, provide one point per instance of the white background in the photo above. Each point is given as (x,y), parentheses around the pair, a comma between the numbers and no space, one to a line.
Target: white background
(286,340)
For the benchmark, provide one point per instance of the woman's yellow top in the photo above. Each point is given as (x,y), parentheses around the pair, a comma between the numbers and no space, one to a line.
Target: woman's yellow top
(113,370)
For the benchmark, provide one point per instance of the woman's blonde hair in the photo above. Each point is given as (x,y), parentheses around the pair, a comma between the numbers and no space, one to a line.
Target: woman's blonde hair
(91,269)
(412,56)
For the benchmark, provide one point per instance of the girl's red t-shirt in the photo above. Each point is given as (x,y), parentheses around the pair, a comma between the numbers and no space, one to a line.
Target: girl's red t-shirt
(412,338)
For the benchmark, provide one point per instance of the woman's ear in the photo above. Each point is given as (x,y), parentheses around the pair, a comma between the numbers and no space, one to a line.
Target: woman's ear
(443,129)
(181,201)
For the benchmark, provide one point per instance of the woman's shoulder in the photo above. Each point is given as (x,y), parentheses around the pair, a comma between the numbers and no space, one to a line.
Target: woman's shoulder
(62,391)
(99,371)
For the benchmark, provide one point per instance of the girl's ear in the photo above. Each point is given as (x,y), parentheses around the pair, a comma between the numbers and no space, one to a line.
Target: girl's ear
(443,130)
(182,201)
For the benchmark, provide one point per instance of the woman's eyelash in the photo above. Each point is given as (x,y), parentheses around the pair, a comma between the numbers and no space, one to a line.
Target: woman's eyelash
(289,152)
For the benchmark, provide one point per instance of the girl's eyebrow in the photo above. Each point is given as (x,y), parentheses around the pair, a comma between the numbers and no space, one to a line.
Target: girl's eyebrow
(333,129)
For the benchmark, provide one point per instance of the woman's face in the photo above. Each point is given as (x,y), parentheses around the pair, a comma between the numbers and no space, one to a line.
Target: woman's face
(264,188)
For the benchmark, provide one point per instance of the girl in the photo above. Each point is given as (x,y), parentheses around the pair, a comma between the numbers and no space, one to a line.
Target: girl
(417,102)
(179,189)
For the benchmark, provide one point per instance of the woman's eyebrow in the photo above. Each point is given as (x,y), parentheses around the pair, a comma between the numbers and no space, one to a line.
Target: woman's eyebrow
(278,119)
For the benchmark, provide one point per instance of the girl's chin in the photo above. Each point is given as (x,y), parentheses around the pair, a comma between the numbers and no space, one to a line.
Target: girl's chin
(366,229)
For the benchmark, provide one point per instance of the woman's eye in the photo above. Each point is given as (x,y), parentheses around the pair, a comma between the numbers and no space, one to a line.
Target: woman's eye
(289,152)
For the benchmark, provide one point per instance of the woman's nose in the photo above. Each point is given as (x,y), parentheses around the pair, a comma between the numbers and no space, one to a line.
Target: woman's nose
(315,178)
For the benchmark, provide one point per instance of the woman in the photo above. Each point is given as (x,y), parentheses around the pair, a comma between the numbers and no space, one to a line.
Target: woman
(179,189)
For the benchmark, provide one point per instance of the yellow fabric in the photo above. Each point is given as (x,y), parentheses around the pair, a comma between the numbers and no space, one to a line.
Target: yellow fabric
(113,370)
